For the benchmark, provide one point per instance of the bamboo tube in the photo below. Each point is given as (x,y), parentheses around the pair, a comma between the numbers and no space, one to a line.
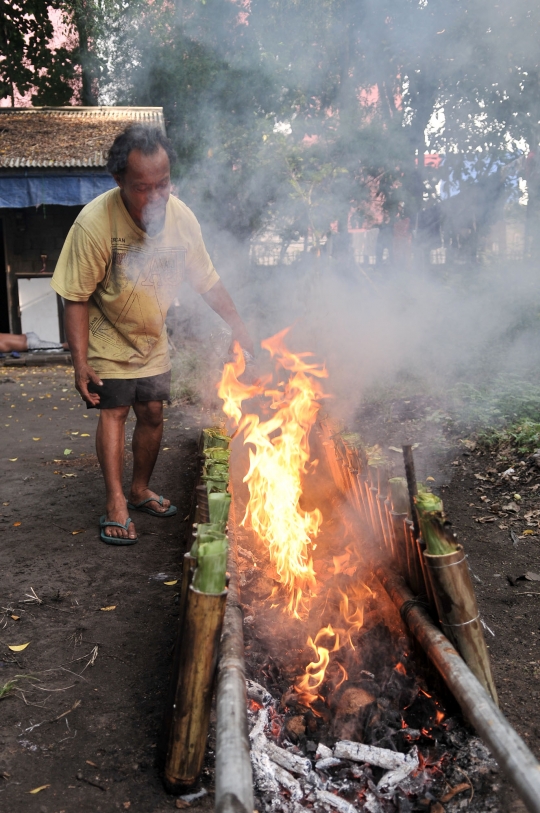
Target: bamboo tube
(188,568)
(202,512)
(458,612)
(193,697)
(511,753)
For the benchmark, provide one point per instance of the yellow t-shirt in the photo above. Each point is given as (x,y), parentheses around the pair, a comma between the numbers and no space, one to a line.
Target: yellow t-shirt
(131,280)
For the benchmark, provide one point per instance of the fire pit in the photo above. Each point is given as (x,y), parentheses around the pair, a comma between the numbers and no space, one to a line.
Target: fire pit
(345,710)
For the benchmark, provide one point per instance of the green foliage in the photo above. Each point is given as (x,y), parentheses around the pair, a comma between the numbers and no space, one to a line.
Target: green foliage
(26,58)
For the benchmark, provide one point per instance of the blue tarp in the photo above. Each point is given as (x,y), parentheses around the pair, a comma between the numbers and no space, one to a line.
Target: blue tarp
(60,190)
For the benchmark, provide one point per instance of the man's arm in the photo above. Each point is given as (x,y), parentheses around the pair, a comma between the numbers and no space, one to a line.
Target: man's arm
(76,326)
(220,301)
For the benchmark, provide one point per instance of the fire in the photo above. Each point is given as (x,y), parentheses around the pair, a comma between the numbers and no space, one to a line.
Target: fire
(278,458)
(308,685)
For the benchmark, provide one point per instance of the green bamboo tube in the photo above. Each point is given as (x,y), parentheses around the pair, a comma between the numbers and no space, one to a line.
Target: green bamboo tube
(219,505)
(209,576)
(194,689)
(455,600)
(214,437)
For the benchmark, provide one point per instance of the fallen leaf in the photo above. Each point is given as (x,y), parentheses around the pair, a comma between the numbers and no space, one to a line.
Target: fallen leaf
(180,804)
(166,448)
(5,503)
(69,475)
(78,531)
(15,617)
(126,805)
(37,790)
(532,577)
(175,581)
(528,532)
(17,647)
(517,497)
(30,399)
(74,433)
(454,791)
(67,451)
(85,435)
(16,524)
(36,438)
(430,479)
(55,407)
(93,764)
(106,609)
(57,461)
(13,459)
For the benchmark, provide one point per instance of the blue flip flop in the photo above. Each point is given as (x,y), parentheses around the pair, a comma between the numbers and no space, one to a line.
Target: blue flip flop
(170,512)
(115,540)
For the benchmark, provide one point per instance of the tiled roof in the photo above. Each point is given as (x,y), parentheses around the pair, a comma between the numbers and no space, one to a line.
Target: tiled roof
(65,136)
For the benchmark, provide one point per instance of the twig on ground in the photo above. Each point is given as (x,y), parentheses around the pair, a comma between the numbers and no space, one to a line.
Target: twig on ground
(32,598)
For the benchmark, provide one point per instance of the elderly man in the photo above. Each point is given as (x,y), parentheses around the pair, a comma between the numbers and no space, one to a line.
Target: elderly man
(119,271)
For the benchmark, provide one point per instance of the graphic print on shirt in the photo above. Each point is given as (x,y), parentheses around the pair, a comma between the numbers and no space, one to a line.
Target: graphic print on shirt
(136,294)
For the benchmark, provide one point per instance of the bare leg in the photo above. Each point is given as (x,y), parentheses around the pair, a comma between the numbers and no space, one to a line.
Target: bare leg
(146,442)
(13,341)
(110,452)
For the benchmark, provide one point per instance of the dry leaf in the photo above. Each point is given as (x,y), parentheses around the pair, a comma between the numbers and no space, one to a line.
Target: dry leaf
(37,790)
(15,617)
(85,435)
(106,609)
(454,791)
(57,461)
(126,805)
(36,438)
(13,459)
(528,532)
(93,764)
(17,647)
(68,475)
(74,433)
(173,582)
(166,448)
(181,804)
(78,531)
(16,524)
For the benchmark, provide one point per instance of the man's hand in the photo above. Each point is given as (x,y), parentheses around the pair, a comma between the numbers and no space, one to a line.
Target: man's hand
(220,301)
(76,324)
(84,374)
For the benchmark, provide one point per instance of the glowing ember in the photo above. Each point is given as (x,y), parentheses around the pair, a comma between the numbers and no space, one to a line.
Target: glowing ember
(278,458)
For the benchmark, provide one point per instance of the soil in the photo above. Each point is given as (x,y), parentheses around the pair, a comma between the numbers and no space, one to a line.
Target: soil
(84,715)
(84,718)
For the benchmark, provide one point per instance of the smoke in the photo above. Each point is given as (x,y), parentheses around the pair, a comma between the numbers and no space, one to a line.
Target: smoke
(291,118)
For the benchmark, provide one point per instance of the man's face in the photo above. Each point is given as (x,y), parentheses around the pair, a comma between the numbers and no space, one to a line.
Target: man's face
(145,187)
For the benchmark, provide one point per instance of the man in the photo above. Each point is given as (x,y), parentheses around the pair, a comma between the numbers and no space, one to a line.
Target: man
(119,271)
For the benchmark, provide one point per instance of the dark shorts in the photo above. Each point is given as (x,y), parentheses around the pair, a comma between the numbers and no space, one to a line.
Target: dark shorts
(117,392)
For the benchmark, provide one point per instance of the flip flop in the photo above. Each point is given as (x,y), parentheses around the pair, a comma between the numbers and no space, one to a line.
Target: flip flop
(170,512)
(115,540)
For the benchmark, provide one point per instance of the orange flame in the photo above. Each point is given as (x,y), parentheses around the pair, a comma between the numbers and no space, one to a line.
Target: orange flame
(277,461)
(308,685)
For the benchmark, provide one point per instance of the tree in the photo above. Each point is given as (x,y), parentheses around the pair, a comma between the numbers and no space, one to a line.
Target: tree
(27,59)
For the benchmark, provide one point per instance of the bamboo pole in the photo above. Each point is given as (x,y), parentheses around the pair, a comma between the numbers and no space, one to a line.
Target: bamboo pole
(234,781)
(511,753)
(193,698)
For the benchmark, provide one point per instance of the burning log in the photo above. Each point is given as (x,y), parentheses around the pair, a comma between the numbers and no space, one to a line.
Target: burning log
(381,757)
(326,798)
(453,589)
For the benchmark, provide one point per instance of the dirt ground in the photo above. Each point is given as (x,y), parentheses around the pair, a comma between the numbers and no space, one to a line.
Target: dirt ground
(82,718)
